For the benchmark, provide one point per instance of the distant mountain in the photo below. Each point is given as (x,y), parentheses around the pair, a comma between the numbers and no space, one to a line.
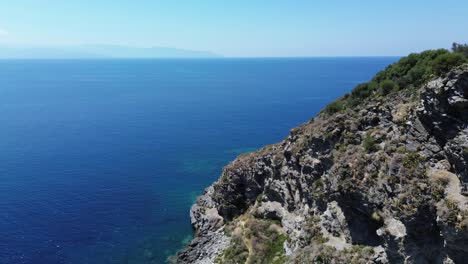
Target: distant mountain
(99,51)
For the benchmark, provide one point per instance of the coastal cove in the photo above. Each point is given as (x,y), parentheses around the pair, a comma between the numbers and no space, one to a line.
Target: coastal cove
(102,159)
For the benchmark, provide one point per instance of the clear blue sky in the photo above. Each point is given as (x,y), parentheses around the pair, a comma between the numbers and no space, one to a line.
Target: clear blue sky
(242,28)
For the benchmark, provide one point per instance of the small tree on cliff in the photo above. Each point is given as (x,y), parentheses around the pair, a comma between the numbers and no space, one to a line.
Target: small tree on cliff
(460,48)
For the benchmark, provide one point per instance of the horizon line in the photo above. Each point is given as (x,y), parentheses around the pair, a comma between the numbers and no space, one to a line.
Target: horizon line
(205,58)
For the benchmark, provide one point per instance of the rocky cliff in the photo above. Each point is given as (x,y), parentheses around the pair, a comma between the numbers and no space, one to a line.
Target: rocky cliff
(379,182)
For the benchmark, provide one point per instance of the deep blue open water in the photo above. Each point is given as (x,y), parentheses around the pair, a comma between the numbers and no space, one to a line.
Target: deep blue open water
(100,160)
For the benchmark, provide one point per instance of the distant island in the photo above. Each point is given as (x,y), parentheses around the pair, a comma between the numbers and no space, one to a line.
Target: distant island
(100,52)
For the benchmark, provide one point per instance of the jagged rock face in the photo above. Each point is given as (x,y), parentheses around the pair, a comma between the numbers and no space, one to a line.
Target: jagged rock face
(381,183)
(444,106)
(444,115)
(209,237)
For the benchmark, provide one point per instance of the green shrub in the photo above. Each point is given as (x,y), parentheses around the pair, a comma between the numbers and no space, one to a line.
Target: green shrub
(334,107)
(319,184)
(453,211)
(409,73)
(437,193)
(445,62)
(362,91)
(274,249)
(237,252)
(412,160)
(369,143)
(460,48)
(260,242)
(312,231)
(387,86)
(266,241)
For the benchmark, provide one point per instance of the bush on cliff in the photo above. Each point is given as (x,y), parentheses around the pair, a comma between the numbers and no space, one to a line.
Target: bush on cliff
(460,48)
(369,143)
(445,62)
(334,107)
(256,240)
(387,86)
(409,73)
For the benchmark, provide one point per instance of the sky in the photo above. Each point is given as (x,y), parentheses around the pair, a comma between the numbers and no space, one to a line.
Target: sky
(241,28)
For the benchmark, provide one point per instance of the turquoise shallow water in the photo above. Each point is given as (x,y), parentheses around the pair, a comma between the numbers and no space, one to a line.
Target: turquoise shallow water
(101,160)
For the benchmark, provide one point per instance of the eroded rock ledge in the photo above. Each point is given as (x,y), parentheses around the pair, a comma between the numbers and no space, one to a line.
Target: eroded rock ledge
(381,183)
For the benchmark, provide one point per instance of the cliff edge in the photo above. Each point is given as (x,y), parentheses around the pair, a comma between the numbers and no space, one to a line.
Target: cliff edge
(379,176)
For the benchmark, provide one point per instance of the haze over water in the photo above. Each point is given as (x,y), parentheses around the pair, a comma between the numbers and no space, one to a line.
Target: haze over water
(101,159)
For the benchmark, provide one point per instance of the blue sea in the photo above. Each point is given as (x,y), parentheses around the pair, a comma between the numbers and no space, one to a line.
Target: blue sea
(100,160)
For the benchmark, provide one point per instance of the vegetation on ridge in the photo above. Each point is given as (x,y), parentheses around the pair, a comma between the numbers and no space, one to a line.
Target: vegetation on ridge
(409,73)
(254,241)
(460,48)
